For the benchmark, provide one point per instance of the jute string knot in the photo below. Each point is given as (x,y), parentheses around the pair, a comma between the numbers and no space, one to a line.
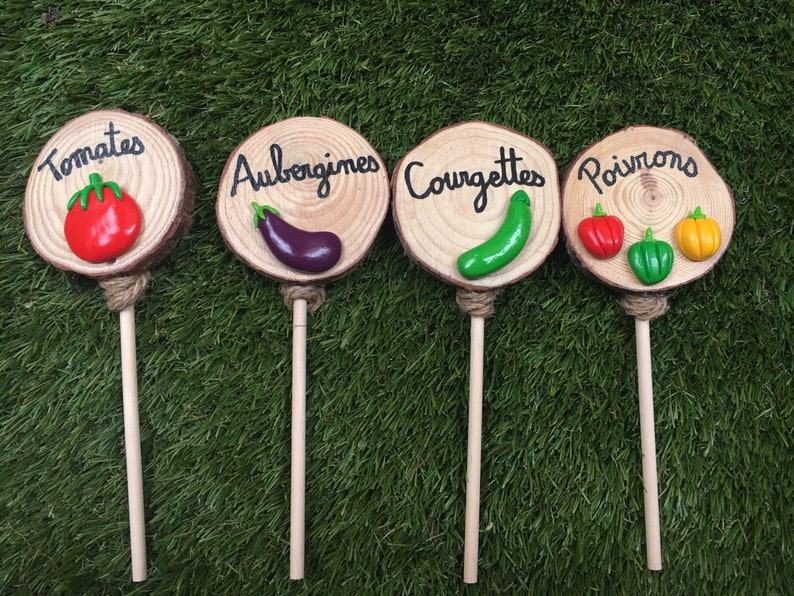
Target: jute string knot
(313,295)
(124,291)
(645,307)
(477,303)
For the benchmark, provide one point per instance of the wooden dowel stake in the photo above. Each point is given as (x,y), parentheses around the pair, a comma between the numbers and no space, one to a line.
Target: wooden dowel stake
(653,540)
(473,458)
(132,443)
(298,456)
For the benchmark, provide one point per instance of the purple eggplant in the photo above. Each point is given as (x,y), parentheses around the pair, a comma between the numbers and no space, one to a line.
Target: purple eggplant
(313,252)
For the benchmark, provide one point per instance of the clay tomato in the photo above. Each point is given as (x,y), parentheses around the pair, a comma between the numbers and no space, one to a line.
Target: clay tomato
(602,234)
(104,223)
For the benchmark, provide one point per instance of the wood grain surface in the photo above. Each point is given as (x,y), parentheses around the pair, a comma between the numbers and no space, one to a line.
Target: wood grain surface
(648,177)
(451,192)
(321,175)
(134,152)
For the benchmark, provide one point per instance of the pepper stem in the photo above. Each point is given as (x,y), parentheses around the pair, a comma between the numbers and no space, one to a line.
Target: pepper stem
(698,214)
(259,212)
(649,234)
(598,211)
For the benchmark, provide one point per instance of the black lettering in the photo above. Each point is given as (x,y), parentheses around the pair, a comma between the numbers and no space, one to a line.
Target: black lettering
(242,164)
(436,186)
(137,146)
(48,163)
(263,180)
(507,173)
(298,172)
(616,167)
(111,135)
(510,177)
(591,167)
(66,166)
(608,177)
(630,167)
(410,186)
(481,201)
(591,175)
(346,165)
(275,158)
(101,151)
(461,179)
(690,168)
(82,156)
(477,179)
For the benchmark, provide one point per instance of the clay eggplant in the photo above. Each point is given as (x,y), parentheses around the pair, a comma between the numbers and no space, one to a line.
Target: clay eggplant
(312,252)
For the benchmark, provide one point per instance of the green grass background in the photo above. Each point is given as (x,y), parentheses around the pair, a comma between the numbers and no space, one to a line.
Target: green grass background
(388,353)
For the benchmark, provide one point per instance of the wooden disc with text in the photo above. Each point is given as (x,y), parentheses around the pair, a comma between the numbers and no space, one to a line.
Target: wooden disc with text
(647,177)
(451,193)
(134,153)
(321,175)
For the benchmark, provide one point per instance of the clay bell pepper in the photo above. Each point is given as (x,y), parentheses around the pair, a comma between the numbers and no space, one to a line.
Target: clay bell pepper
(698,236)
(601,234)
(651,259)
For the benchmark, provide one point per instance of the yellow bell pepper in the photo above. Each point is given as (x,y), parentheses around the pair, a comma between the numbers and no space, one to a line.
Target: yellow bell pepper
(698,236)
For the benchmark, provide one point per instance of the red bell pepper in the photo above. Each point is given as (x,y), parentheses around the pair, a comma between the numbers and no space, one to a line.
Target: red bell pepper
(602,234)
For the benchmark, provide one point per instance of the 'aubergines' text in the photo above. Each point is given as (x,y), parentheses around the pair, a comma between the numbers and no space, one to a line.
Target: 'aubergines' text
(507,174)
(591,167)
(363,164)
(84,155)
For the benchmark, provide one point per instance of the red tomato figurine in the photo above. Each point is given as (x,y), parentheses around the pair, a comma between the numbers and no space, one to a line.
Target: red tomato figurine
(103,224)
(602,234)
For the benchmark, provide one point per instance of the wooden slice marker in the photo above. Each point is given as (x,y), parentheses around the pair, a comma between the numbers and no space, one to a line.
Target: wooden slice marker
(676,216)
(108,197)
(301,201)
(478,206)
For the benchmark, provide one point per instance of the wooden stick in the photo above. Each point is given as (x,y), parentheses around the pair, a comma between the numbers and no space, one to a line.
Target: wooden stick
(472,528)
(653,540)
(132,443)
(298,466)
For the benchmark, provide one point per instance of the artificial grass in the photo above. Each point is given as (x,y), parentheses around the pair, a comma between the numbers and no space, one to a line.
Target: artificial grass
(388,353)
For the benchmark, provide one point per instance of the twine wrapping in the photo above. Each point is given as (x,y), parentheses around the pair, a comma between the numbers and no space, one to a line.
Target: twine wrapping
(313,295)
(122,292)
(477,303)
(644,307)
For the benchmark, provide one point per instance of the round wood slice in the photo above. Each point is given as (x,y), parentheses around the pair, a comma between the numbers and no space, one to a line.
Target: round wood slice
(451,193)
(321,175)
(648,177)
(129,149)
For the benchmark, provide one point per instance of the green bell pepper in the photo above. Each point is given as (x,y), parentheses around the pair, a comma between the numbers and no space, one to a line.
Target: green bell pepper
(651,259)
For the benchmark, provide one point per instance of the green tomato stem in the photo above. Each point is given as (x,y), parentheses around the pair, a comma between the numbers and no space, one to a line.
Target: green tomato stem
(94,183)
